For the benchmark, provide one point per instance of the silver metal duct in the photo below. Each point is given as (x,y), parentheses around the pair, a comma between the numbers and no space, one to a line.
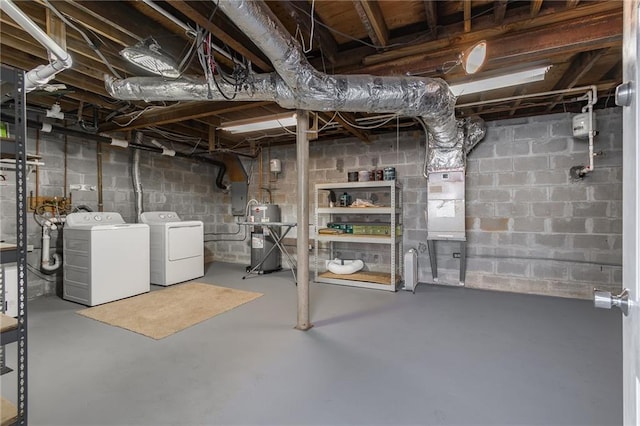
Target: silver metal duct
(297,85)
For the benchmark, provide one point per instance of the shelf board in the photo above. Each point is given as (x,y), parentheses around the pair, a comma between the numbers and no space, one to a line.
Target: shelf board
(366,279)
(7,148)
(357,210)
(9,412)
(7,323)
(8,253)
(351,238)
(361,186)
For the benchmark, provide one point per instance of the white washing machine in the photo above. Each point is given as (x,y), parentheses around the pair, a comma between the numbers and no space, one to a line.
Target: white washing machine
(177,248)
(105,259)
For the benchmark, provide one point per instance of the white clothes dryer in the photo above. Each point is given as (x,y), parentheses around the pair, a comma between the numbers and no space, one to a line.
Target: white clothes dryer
(177,247)
(105,259)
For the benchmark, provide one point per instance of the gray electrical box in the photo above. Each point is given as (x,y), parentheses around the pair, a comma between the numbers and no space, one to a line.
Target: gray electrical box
(239,192)
(445,206)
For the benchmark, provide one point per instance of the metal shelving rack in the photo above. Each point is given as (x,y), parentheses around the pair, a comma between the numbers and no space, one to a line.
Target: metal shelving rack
(394,240)
(15,330)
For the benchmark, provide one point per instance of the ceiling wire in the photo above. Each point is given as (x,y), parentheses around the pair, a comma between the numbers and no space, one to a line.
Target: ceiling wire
(90,43)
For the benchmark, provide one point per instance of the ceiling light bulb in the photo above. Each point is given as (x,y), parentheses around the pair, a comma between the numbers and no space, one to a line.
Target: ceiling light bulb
(474,57)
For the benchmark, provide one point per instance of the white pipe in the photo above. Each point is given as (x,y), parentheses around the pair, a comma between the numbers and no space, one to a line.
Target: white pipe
(188,30)
(46,265)
(592,98)
(583,89)
(137,187)
(43,73)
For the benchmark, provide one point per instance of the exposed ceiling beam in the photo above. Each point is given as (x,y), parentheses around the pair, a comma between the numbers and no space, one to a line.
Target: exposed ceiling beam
(300,12)
(373,21)
(499,11)
(535,7)
(78,48)
(19,59)
(581,64)
(97,23)
(56,29)
(431,12)
(467,15)
(178,113)
(569,37)
(485,28)
(522,90)
(360,134)
(232,42)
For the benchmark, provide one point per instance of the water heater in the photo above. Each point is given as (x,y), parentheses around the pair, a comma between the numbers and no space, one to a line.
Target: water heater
(265,257)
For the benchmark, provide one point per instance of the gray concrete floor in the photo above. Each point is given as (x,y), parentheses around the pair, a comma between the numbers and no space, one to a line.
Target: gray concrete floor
(441,356)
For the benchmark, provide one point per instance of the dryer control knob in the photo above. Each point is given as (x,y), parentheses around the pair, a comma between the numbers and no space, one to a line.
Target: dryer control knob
(161,216)
(97,217)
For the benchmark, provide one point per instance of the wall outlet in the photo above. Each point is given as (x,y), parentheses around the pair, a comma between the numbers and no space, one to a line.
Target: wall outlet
(456,255)
(29,247)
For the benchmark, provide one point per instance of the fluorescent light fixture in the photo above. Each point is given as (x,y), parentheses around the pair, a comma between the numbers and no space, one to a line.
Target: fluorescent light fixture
(251,125)
(501,81)
(148,56)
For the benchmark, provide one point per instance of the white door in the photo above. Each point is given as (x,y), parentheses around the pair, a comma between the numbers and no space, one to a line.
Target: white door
(631,215)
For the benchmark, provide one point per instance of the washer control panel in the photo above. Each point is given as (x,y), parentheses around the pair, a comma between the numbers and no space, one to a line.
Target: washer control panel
(159,217)
(93,218)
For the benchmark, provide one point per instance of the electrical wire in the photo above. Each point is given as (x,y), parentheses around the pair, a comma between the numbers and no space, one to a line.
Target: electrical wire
(90,43)
(357,126)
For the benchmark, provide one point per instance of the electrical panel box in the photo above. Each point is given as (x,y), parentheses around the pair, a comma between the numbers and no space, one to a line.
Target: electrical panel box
(446,206)
(239,192)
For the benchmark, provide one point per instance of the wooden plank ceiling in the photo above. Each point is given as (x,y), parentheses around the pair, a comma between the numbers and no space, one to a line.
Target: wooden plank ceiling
(580,40)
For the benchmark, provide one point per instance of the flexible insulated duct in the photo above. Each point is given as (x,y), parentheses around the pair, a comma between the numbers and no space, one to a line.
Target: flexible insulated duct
(297,85)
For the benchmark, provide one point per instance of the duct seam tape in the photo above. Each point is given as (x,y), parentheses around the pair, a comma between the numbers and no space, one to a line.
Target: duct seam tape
(119,142)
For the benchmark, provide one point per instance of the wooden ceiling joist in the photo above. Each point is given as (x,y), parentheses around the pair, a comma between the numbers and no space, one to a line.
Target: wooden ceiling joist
(204,22)
(360,134)
(536,5)
(431,14)
(180,112)
(484,28)
(373,21)
(467,15)
(573,36)
(300,12)
(581,64)
(499,11)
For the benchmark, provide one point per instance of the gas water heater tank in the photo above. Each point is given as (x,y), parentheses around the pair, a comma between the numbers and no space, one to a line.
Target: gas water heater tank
(581,127)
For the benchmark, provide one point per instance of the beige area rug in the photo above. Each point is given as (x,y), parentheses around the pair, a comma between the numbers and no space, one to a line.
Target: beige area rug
(161,313)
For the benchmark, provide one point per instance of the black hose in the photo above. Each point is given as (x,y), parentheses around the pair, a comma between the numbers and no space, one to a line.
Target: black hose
(222,169)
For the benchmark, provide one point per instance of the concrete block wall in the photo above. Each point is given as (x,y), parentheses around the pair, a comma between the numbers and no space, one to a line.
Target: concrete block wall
(174,184)
(531,229)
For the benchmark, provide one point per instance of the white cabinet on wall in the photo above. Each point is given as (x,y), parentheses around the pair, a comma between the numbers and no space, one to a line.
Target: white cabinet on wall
(342,229)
